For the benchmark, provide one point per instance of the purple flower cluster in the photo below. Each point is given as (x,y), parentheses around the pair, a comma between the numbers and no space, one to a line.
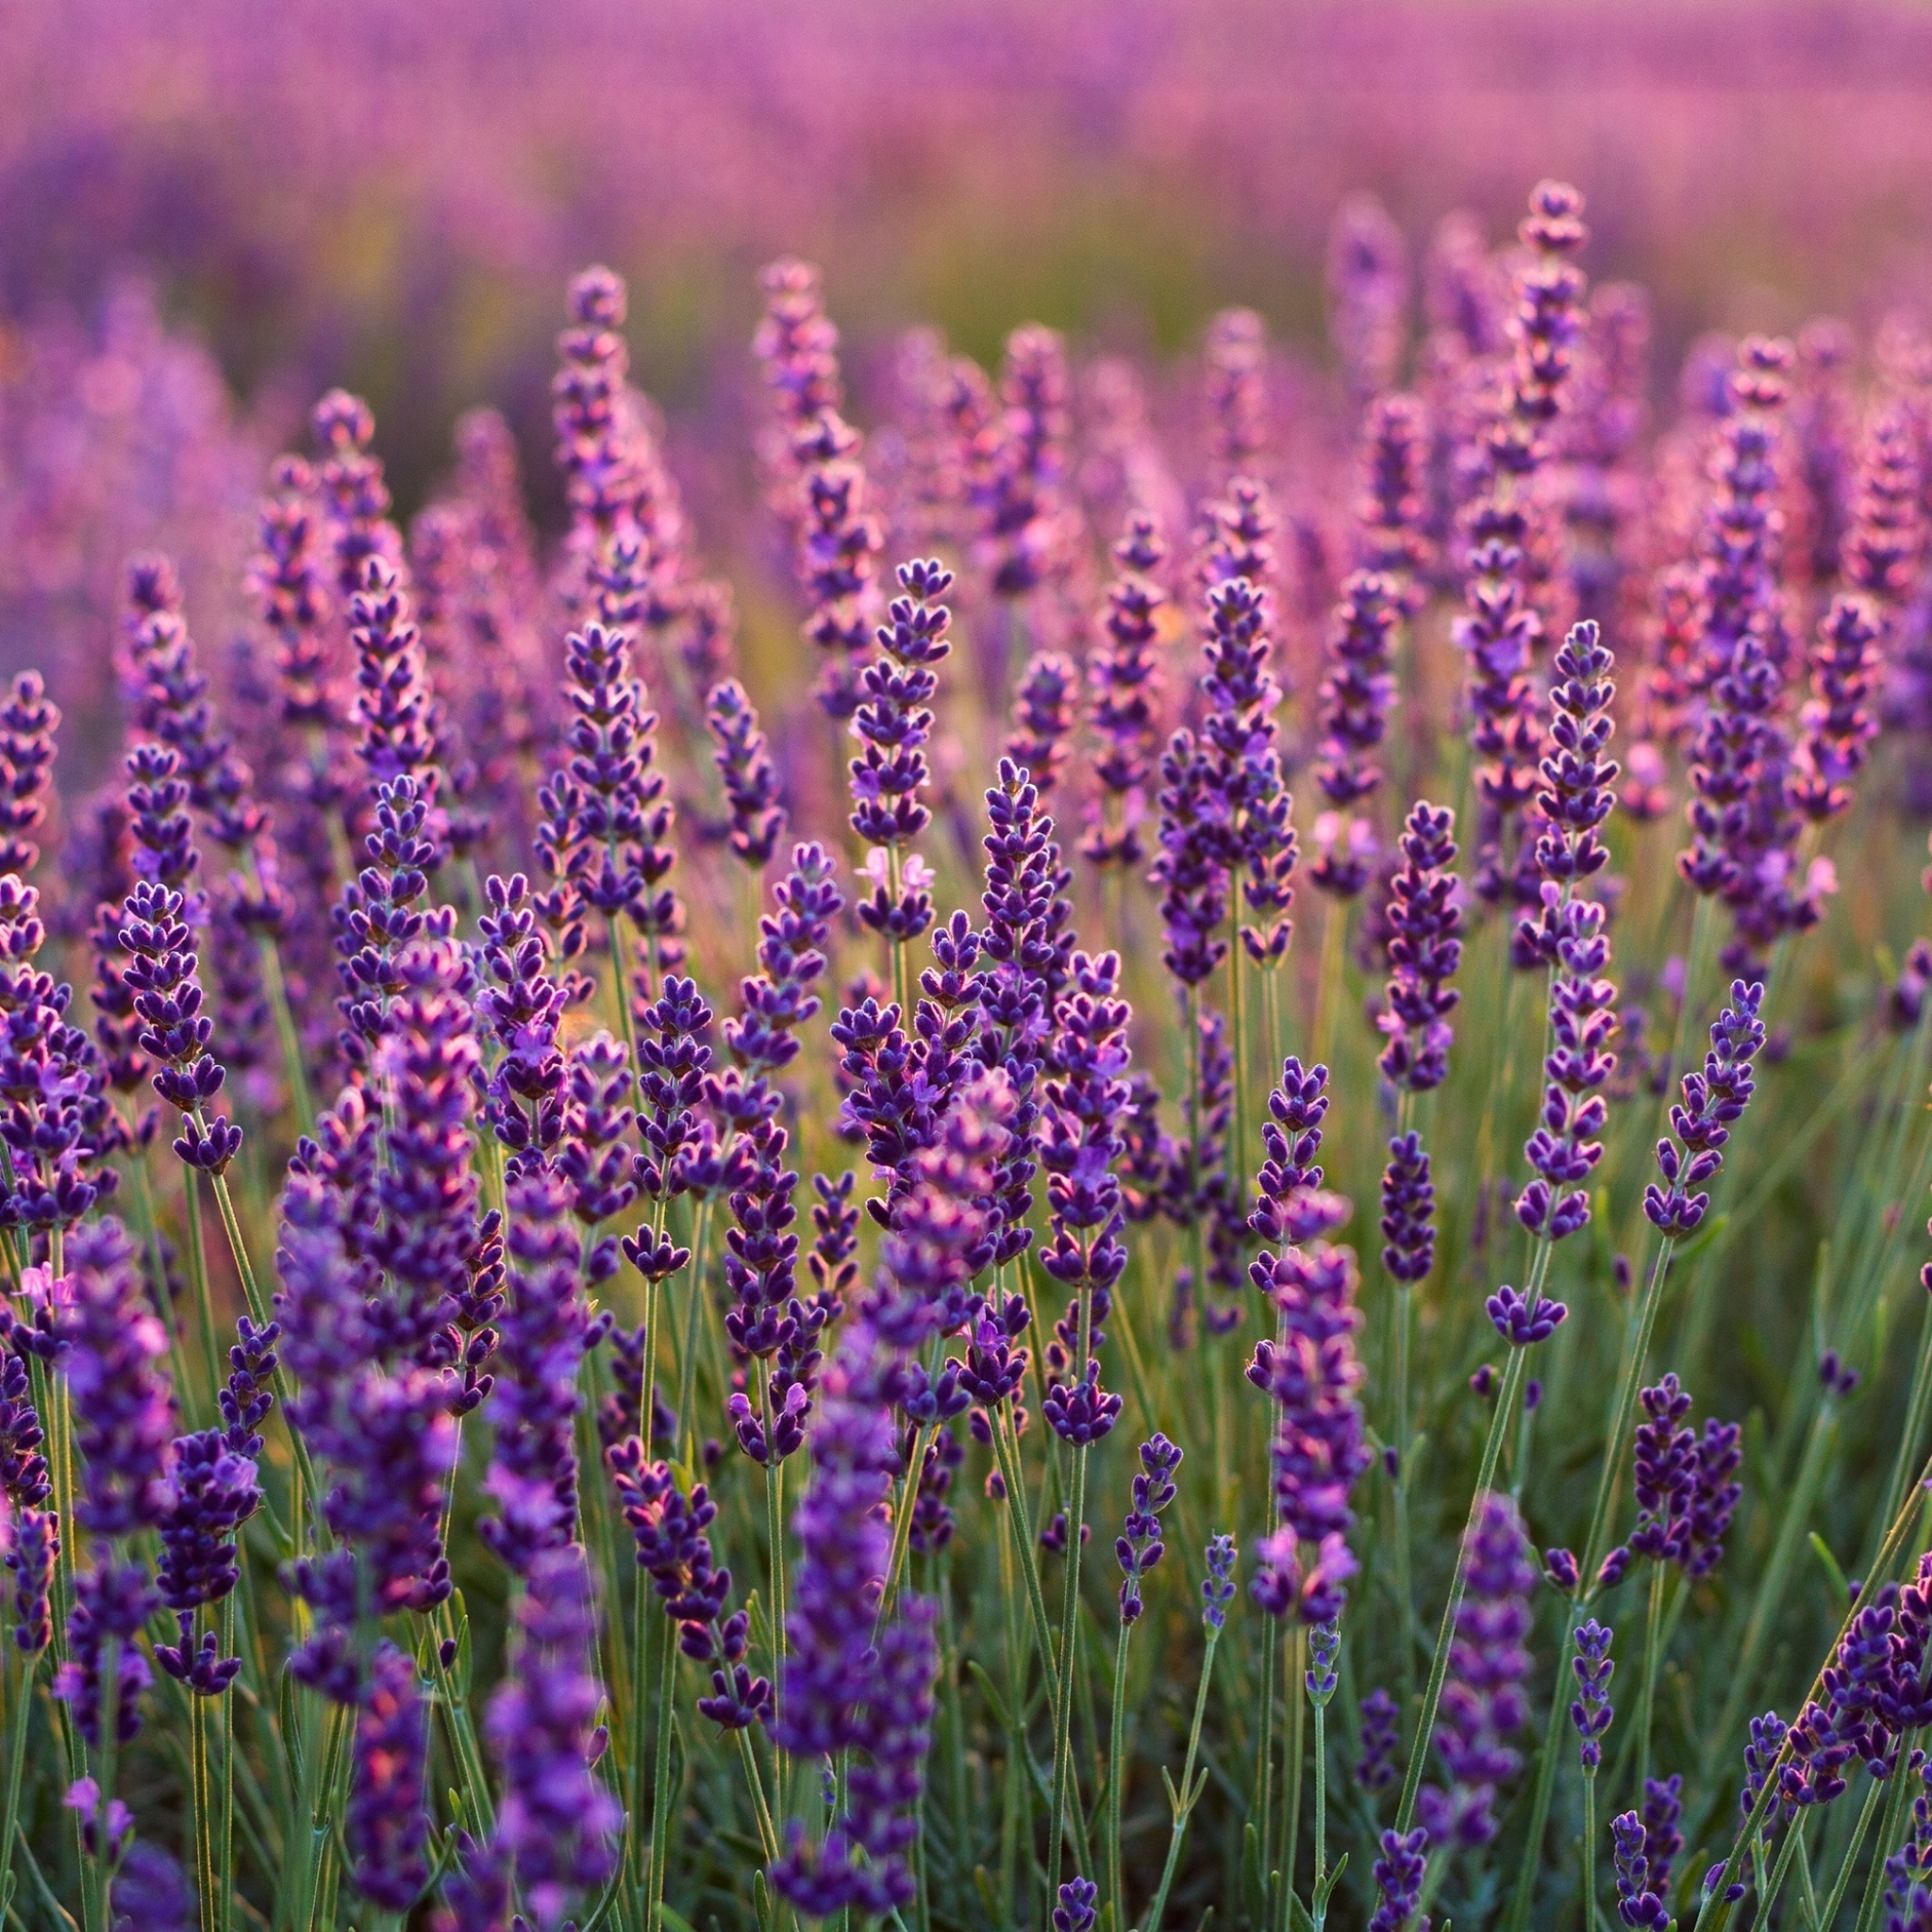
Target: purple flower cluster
(893,722)
(386,1827)
(1086,1100)
(1578,779)
(546,1330)
(847,1688)
(1483,1703)
(1702,1122)
(1583,1019)
(818,476)
(673,1550)
(1590,1711)
(1500,628)
(1356,695)
(1685,1486)
(1424,948)
(1638,1905)
(1138,1546)
(1319,1447)
(746,768)
(1044,718)
(1124,676)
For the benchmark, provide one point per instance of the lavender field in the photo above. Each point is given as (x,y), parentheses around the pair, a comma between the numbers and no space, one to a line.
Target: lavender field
(965,968)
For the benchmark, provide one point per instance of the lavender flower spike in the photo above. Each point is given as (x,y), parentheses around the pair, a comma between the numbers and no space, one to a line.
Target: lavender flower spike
(1714,1101)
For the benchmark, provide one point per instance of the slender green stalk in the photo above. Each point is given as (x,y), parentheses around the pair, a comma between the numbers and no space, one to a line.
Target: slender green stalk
(1894,1791)
(1064,1793)
(1321,1891)
(1295,1641)
(1184,1797)
(287,1037)
(1006,1452)
(1263,1808)
(1652,1634)
(1116,1775)
(775,1540)
(660,1774)
(1589,1850)
(1493,1449)
(16,1761)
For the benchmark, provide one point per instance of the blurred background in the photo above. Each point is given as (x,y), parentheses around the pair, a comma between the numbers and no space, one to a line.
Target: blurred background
(211,212)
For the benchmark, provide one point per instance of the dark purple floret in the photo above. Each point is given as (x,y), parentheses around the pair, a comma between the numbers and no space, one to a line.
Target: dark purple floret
(1076,1910)
(1663,1806)
(1590,1711)
(1138,1546)
(1125,675)
(843,1690)
(1398,1875)
(1044,718)
(386,1827)
(1583,1021)
(111,1603)
(1409,1209)
(1319,1448)
(546,1330)
(893,722)
(556,1822)
(151,1891)
(1424,949)
(1637,1904)
(1355,697)
(749,778)
(34,1547)
(215,1491)
(1578,778)
(1218,1586)
(1714,1101)
(1522,1322)
(1375,1768)
(1483,1702)
(29,720)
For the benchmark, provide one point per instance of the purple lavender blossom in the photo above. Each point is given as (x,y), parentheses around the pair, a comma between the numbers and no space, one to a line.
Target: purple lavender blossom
(1368,295)
(1356,695)
(1578,780)
(1086,1098)
(29,720)
(1590,1711)
(1424,950)
(1408,1210)
(1637,1904)
(214,1491)
(1663,1806)
(893,722)
(1483,1702)
(843,1690)
(533,1473)
(386,1827)
(1076,1910)
(1398,1875)
(1237,370)
(34,1545)
(1124,676)
(1375,1768)
(1044,718)
(556,1822)
(1714,1101)
(750,779)
(1582,1022)
(1218,1586)
(1138,1546)
(1318,1447)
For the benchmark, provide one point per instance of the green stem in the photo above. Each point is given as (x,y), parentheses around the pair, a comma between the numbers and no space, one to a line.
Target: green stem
(1116,1777)
(1321,1891)
(1894,1792)
(1063,1780)
(1590,1851)
(1492,1450)
(1295,1640)
(1653,1631)
(1006,1452)
(660,1776)
(286,1034)
(1186,1795)
(16,1761)
(1264,1754)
